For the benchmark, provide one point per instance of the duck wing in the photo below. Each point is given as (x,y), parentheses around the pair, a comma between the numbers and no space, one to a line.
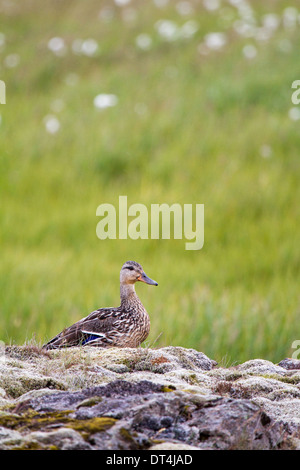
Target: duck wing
(98,329)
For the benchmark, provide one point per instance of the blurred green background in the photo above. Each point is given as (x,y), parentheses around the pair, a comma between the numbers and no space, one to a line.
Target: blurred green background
(196,109)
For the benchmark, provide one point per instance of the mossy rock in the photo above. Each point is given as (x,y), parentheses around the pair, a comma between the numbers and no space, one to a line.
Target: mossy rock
(17,385)
(36,421)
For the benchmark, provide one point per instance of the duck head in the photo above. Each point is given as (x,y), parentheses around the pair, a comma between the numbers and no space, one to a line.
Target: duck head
(132,272)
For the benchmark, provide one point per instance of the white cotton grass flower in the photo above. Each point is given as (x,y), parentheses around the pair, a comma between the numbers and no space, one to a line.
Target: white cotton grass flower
(211,5)
(184,8)
(57,105)
(104,100)
(294,113)
(244,8)
(244,28)
(11,61)
(89,47)
(57,46)
(106,14)
(167,29)
(249,51)
(143,41)
(2,40)
(290,17)
(263,34)
(122,3)
(161,3)
(76,46)
(265,151)
(271,21)
(236,3)
(215,41)
(52,124)
(246,13)
(86,47)
(188,29)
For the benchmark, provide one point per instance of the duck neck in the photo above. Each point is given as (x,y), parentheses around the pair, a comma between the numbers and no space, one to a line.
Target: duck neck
(128,294)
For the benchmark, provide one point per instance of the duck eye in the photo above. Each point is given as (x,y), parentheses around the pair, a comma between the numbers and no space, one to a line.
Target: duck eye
(130,268)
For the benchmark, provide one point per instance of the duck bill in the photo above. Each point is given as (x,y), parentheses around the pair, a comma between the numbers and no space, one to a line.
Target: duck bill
(144,278)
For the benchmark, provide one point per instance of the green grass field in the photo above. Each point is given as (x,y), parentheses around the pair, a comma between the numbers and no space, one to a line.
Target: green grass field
(199,119)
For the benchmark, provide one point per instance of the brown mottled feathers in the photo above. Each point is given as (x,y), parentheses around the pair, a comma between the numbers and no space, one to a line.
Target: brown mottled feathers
(124,326)
(104,327)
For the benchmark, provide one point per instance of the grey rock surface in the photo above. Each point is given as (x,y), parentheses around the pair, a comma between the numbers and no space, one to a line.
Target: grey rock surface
(167,398)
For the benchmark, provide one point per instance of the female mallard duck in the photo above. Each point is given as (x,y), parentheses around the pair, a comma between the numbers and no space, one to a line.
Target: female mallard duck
(124,326)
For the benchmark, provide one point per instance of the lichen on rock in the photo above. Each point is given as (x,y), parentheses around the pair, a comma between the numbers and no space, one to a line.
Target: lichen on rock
(165,398)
